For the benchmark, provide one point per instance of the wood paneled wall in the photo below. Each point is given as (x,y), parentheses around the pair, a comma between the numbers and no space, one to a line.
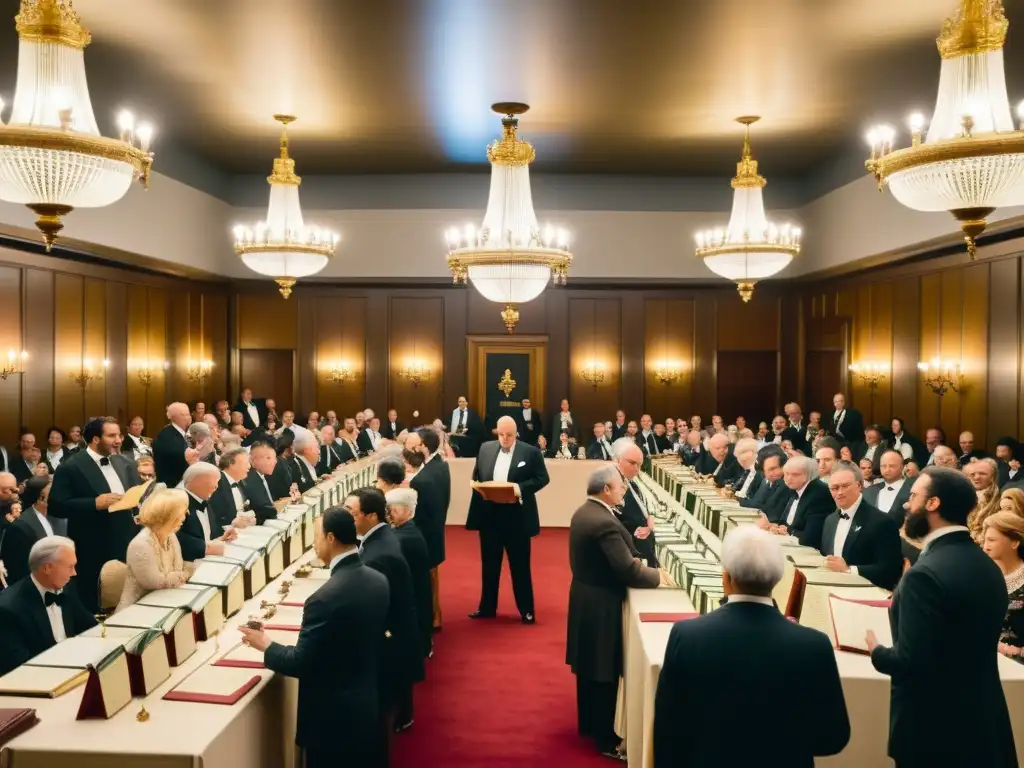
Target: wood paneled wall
(63,312)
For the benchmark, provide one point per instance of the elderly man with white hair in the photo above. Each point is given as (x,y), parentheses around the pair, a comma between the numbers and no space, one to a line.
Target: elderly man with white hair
(809,504)
(201,533)
(38,612)
(718,462)
(401,511)
(750,480)
(171,451)
(780,666)
(634,515)
(306,456)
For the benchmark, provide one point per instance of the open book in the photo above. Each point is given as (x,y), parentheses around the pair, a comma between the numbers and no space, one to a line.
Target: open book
(499,493)
(41,682)
(248,657)
(108,684)
(227,576)
(851,620)
(204,602)
(176,624)
(148,664)
(131,499)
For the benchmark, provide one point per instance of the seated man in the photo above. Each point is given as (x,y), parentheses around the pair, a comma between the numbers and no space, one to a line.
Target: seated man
(599,447)
(782,667)
(750,480)
(38,612)
(718,462)
(809,504)
(770,495)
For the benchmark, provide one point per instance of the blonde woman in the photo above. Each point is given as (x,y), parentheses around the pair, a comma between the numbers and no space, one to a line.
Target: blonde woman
(1003,536)
(154,555)
(1012,500)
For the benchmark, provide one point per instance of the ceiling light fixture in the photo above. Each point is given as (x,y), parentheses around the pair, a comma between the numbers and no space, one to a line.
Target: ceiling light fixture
(972,159)
(750,248)
(510,259)
(283,246)
(53,158)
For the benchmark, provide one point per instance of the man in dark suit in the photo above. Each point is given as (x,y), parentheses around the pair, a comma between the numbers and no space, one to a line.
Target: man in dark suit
(254,412)
(171,451)
(718,462)
(892,494)
(24,461)
(305,459)
(392,428)
(38,612)
(749,481)
(968,452)
(618,426)
(33,525)
(633,512)
(507,528)
(84,487)
(335,656)
(600,449)
(783,667)
(645,438)
(466,429)
(767,493)
(229,503)
(369,437)
(946,617)
(433,486)
(401,657)
(282,484)
(330,458)
(563,421)
(857,538)
(202,532)
(530,422)
(604,565)
(810,503)
(845,424)
(263,460)
(401,512)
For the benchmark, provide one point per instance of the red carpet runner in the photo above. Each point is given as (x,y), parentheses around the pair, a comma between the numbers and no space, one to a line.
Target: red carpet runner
(498,693)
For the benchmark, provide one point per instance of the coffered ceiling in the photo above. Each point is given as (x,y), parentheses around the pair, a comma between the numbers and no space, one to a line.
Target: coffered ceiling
(382,86)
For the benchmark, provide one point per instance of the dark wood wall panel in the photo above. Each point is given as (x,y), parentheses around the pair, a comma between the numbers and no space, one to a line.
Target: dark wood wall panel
(1004,406)
(416,327)
(37,385)
(340,335)
(162,391)
(267,321)
(10,339)
(595,335)
(668,340)
(69,400)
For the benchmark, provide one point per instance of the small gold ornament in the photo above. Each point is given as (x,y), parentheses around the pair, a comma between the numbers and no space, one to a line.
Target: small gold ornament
(143,715)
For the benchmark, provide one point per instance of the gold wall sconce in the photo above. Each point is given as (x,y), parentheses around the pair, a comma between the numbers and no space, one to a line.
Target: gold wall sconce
(668,372)
(89,370)
(149,371)
(941,376)
(593,373)
(14,364)
(416,371)
(871,373)
(198,370)
(340,373)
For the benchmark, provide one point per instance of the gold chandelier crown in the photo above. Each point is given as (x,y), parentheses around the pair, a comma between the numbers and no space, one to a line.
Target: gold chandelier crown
(51,21)
(978,26)
(284,166)
(510,149)
(746,168)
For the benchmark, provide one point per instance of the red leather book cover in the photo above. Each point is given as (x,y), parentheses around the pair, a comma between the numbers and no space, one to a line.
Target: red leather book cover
(213,698)
(14,722)
(666,617)
(242,663)
(92,705)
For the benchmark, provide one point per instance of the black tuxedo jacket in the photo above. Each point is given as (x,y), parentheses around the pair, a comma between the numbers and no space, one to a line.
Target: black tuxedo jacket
(814,506)
(619,430)
(190,535)
(391,433)
(169,455)
(528,470)
(364,443)
(529,429)
(280,481)
(850,429)
(963,459)
(25,629)
(633,516)
(946,616)
(128,446)
(19,468)
(414,550)
(783,668)
(99,535)
(301,473)
(594,451)
(330,459)
(259,500)
(897,511)
(261,410)
(648,445)
(729,473)
(222,503)
(467,445)
(433,488)
(692,456)
(401,654)
(755,484)
(556,428)
(335,658)
(346,452)
(18,538)
(873,545)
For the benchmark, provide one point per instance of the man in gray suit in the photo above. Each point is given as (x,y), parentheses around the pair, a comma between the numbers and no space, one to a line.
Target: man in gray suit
(33,525)
(892,494)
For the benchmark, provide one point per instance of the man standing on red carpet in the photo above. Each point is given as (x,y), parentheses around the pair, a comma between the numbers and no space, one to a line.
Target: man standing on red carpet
(507,527)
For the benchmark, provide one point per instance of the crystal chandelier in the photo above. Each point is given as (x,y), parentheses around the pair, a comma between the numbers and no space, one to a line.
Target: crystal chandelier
(283,247)
(510,259)
(52,156)
(750,248)
(972,158)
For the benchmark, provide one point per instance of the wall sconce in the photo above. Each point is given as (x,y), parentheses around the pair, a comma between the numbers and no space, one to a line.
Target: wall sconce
(668,373)
(148,371)
(15,364)
(199,370)
(415,372)
(941,376)
(89,372)
(593,373)
(870,373)
(340,373)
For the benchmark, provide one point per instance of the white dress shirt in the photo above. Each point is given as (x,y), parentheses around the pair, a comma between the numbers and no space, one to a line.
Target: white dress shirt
(53,613)
(55,457)
(374,438)
(606,506)
(941,532)
(263,478)
(460,420)
(254,412)
(236,494)
(791,514)
(43,522)
(869,454)
(837,419)
(751,599)
(203,515)
(116,486)
(887,494)
(742,492)
(843,528)
(503,464)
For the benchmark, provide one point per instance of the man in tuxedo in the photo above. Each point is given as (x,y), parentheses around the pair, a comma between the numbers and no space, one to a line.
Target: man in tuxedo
(618,426)
(563,421)
(529,421)
(809,503)
(229,503)
(604,565)
(336,654)
(933,438)
(784,668)
(599,449)
(857,538)
(466,429)
(967,450)
(392,428)
(305,459)
(892,494)
(263,461)
(171,452)
(433,486)
(718,462)
(38,612)
(770,494)
(401,659)
(85,486)
(23,464)
(33,524)
(645,439)
(369,438)
(401,513)
(845,424)
(1007,456)
(507,528)
(634,515)
(254,412)
(871,448)
(201,532)
(330,458)
(946,617)
(135,445)
(346,441)
(692,451)
(749,480)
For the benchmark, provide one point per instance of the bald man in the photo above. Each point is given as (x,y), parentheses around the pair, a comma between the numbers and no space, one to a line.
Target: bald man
(171,452)
(507,528)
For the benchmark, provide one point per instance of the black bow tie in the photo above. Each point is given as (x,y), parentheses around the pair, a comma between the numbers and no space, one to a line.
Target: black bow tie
(104,462)
(506,450)
(52,598)
(234,484)
(890,488)
(844,516)
(200,506)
